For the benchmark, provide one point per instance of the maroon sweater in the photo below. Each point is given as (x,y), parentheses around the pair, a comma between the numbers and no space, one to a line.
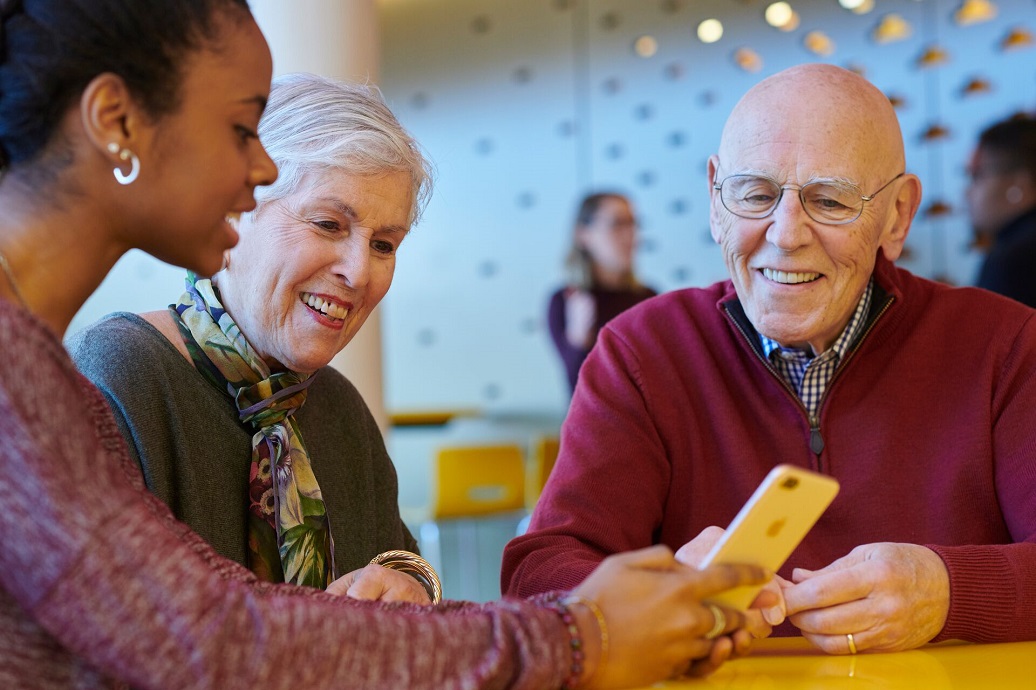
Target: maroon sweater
(929,425)
(100,585)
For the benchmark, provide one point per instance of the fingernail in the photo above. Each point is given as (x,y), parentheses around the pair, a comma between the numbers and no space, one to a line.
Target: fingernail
(774,615)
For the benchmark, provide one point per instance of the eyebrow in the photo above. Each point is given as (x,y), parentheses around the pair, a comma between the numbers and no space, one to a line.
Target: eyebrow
(259,101)
(835,179)
(350,213)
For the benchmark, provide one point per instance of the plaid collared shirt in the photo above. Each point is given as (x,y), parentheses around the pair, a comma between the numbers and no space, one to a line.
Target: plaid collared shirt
(809,375)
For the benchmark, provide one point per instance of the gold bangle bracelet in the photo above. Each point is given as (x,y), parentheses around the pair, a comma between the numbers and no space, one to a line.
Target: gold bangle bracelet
(414,565)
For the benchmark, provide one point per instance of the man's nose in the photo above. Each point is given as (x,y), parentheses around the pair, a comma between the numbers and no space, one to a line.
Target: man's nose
(789,222)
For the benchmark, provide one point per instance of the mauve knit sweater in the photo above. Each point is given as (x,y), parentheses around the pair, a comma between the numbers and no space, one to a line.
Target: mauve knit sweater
(101,587)
(929,425)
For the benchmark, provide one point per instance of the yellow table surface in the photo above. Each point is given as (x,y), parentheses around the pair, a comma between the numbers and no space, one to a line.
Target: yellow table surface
(793,664)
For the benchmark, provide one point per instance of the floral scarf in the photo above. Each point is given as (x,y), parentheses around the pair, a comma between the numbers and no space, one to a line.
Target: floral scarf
(289,539)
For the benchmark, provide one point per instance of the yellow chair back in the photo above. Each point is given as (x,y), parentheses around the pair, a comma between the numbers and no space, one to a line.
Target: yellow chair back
(544,454)
(477,480)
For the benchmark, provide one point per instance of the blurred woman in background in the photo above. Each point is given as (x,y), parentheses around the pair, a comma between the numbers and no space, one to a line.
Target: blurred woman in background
(601,281)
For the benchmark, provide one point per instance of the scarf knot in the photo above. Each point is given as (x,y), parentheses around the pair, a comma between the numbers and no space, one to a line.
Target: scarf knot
(273,399)
(289,537)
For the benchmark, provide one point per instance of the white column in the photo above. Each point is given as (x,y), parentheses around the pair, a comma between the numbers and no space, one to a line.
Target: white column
(340,39)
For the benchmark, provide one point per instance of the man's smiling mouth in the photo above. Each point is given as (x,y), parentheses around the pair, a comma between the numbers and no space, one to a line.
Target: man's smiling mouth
(788,278)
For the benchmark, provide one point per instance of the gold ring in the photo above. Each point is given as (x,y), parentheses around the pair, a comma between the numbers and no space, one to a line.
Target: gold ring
(416,567)
(719,622)
(852,643)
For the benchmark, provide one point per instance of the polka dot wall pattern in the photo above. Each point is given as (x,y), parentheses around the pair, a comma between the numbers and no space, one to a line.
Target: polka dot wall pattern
(525,106)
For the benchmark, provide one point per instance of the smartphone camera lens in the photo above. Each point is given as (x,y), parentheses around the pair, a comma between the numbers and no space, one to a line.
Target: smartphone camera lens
(790,483)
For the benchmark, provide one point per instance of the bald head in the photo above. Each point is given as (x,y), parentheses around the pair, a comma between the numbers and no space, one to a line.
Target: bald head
(818,107)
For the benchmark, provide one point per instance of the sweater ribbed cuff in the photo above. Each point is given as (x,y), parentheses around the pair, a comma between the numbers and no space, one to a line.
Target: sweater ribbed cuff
(983,593)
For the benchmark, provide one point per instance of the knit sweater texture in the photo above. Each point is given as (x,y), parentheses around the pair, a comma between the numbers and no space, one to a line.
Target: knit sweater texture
(928,425)
(103,588)
(196,455)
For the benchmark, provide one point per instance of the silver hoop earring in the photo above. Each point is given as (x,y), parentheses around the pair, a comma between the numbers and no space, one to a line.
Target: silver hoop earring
(126,155)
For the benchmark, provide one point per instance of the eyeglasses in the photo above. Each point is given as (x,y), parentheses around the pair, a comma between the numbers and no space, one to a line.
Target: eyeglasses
(826,201)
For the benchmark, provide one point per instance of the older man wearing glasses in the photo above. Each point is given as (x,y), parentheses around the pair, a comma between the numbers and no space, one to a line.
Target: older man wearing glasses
(819,352)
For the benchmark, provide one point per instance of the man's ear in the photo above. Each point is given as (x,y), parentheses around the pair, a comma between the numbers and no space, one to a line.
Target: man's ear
(109,114)
(905,205)
(714,200)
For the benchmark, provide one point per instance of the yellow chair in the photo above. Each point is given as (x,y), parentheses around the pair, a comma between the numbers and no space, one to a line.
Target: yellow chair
(478,480)
(471,483)
(544,454)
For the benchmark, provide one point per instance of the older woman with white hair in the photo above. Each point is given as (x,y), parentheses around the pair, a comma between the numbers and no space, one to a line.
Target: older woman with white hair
(226,398)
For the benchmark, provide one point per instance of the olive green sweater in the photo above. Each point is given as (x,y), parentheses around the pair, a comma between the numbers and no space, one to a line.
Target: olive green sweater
(195,454)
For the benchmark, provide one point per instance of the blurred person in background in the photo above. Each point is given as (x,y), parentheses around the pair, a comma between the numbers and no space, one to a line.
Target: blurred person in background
(601,281)
(1001,198)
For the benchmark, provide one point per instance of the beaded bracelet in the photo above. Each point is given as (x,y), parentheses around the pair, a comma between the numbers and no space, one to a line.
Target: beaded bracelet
(564,609)
(575,643)
(602,625)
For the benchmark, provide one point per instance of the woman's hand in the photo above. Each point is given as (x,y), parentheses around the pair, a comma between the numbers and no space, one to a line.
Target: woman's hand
(580,314)
(656,619)
(768,609)
(376,583)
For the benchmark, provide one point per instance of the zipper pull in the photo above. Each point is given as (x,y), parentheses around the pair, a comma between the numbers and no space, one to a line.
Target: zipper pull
(816,441)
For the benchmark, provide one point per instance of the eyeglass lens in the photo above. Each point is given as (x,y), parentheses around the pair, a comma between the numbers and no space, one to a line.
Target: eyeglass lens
(825,202)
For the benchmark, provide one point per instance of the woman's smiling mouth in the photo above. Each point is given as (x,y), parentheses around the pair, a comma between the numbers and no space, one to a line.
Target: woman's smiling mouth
(324,307)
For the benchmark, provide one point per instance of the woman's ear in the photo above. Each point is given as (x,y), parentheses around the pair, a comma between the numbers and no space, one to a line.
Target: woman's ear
(109,114)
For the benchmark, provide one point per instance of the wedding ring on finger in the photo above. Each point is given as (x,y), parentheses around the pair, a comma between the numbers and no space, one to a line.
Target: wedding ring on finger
(719,622)
(852,643)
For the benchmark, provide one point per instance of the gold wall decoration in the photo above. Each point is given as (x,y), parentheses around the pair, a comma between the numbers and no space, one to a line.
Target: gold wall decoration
(976,86)
(1018,37)
(933,56)
(819,43)
(935,132)
(938,208)
(974,12)
(892,27)
(748,60)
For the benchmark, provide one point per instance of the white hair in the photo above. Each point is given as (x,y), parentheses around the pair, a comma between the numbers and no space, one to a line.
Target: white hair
(313,124)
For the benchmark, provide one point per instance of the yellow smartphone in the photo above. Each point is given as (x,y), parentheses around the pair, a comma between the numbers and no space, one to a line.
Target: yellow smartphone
(771,524)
